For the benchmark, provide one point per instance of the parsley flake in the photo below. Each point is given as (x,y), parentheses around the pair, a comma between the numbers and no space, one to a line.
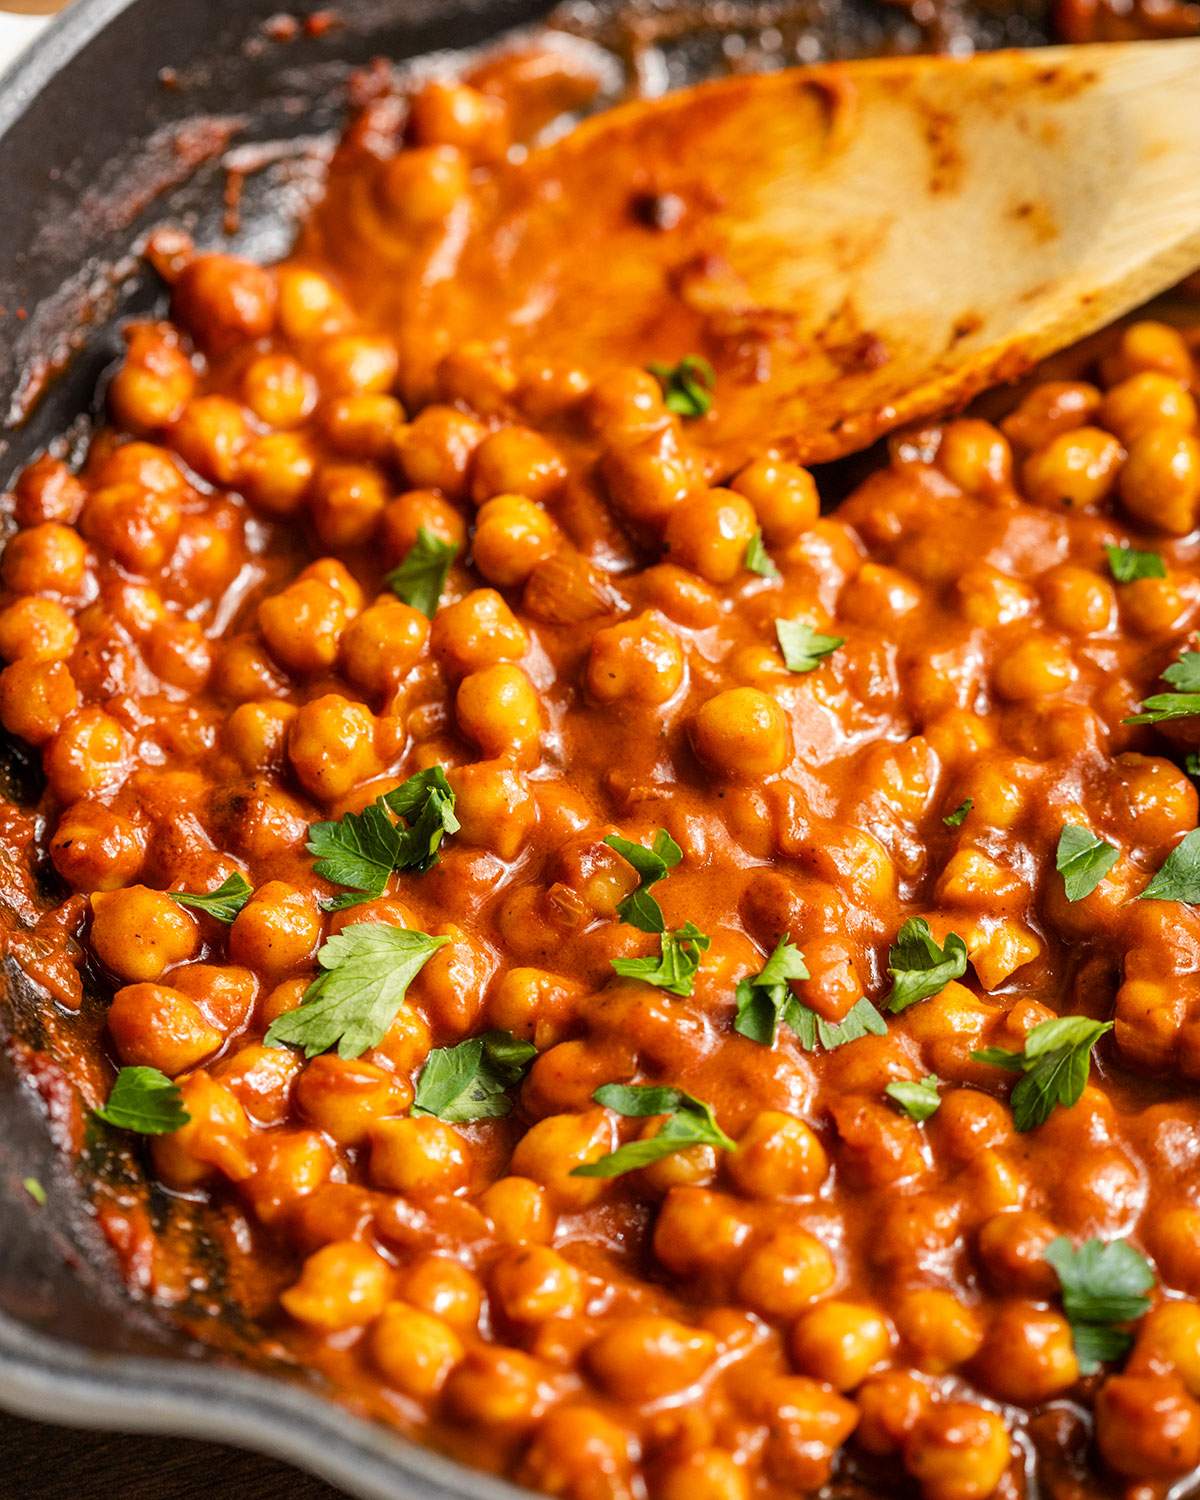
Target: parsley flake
(862,1019)
(803,647)
(1127,564)
(367,971)
(674,970)
(957,818)
(1083,860)
(420,576)
(764,999)
(639,908)
(918,1099)
(144,1100)
(919,968)
(35,1190)
(360,850)
(1179,877)
(1054,1063)
(689,1122)
(687,386)
(224,903)
(1103,1283)
(757,559)
(1183,674)
(471,1081)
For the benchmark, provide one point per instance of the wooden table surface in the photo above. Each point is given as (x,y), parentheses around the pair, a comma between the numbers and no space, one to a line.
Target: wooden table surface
(39,1462)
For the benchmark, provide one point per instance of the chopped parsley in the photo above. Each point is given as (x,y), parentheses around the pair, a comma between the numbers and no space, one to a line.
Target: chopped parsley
(1179,877)
(764,999)
(1054,1066)
(688,386)
(144,1100)
(757,559)
(639,908)
(1103,1284)
(471,1081)
(224,903)
(35,1190)
(1083,860)
(957,818)
(803,647)
(689,1122)
(1184,675)
(862,1019)
(919,1099)
(674,970)
(360,850)
(420,576)
(919,968)
(367,971)
(1127,564)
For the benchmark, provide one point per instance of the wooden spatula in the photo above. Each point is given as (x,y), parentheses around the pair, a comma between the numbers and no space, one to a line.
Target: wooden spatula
(852,245)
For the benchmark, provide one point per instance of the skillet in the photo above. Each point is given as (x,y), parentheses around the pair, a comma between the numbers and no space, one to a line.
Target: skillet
(122,117)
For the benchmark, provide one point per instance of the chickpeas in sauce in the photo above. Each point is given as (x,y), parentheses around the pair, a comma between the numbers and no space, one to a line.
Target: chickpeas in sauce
(595,919)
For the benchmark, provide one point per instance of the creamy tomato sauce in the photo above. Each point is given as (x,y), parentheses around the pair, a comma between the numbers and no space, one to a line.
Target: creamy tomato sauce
(723,1210)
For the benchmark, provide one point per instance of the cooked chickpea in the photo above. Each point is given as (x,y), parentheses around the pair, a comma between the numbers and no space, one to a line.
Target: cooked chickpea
(941,1330)
(210,436)
(436,450)
(519,1211)
(516,461)
(648,479)
(342,1285)
(1160,483)
(534,1283)
(1051,408)
(216,1137)
(415,511)
(639,659)
(413,1350)
(344,1097)
(976,456)
(153,1026)
(94,848)
(641,1358)
(310,306)
(277,930)
(346,503)
(787,1273)
(840,1343)
(1147,1427)
(495,807)
(45,559)
(1074,471)
(34,629)
(709,534)
(275,472)
(421,185)
(957,1451)
(1036,668)
(784,497)
(138,933)
(279,390)
(890,1405)
(553,1147)
(1148,400)
(446,112)
(477,631)
(512,535)
(36,700)
(498,709)
(777,1156)
(418,1156)
(1028,1354)
(742,733)
(1149,345)
(579,1452)
(331,746)
(355,364)
(224,300)
(498,1388)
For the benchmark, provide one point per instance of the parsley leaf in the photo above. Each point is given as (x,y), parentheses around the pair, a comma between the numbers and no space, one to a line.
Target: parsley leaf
(1055,1064)
(1103,1282)
(1179,877)
(803,647)
(862,1019)
(688,386)
(1083,860)
(145,1100)
(757,559)
(1183,674)
(470,1081)
(917,1100)
(224,903)
(360,850)
(674,970)
(35,1190)
(919,968)
(764,999)
(639,908)
(367,971)
(957,818)
(1127,563)
(690,1122)
(1191,763)
(420,576)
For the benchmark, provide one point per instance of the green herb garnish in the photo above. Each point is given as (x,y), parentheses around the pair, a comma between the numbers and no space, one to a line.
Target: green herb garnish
(803,647)
(1179,877)
(1054,1063)
(639,908)
(917,1100)
(690,1122)
(764,999)
(471,1081)
(1127,564)
(919,968)
(224,903)
(1103,1284)
(420,576)
(687,386)
(144,1100)
(757,559)
(956,818)
(1183,674)
(674,970)
(1083,860)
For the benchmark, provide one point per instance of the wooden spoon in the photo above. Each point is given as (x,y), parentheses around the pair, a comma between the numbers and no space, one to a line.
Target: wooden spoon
(852,245)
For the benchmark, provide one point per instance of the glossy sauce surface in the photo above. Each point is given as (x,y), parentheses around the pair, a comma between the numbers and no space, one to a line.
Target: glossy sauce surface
(206,655)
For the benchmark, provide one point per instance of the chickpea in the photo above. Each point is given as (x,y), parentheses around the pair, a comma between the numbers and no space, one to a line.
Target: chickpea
(784,497)
(37,698)
(1077,600)
(777,1156)
(495,807)
(648,480)
(418,1156)
(512,536)
(346,503)
(516,461)
(1147,345)
(841,1343)
(45,559)
(446,112)
(742,733)
(477,631)
(519,1211)
(553,1147)
(626,403)
(1160,483)
(942,1331)
(261,1079)
(1148,400)
(342,1285)
(957,1451)
(1074,471)
(498,1388)
(275,472)
(876,594)
(498,709)
(579,1454)
(706,1474)
(381,646)
(1012,1248)
(156,1027)
(639,659)
(279,390)
(47,491)
(310,306)
(344,1097)
(807,1423)
(138,933)
(1051,408)
(1176,1239)
(1168,1342)
(534,1283)
(786,1274)
(302,625)
(413,1350)
(413,512)
(1039,667)
(155,381)
(436,450)
(1147,1427)
(210,436)
(277,930)
(699,1230)
(255,734)
(976,456)
(709,533)
(331,746)
(34,629)
(216,1137)
(94,848)
(441,1286)
(642,1358)
(288,1165)
(421,185)
(1028,1354)
(355,364)
(224,301)
(890,1405)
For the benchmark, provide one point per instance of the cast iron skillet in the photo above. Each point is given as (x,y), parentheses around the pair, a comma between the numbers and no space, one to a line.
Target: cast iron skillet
(116,121)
